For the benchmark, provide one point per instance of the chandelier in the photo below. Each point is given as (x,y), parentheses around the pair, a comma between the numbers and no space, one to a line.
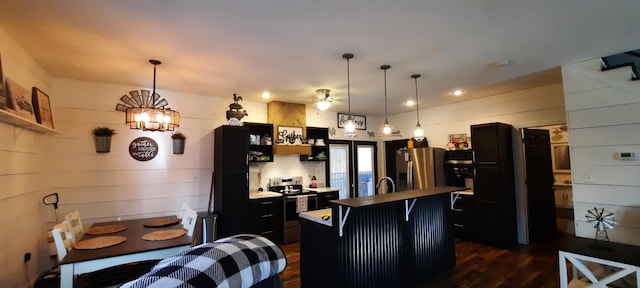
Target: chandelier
(146,111)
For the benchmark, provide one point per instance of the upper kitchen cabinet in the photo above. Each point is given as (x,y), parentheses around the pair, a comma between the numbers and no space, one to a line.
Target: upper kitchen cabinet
(494,184)
(289,117)
(318,137)
(260,142)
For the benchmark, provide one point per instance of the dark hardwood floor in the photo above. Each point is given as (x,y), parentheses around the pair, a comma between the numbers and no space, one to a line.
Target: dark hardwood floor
(477,265)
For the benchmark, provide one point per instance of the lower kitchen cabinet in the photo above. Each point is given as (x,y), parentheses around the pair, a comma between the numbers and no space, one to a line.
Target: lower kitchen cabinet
(266,217)
(325,197)
(462,217)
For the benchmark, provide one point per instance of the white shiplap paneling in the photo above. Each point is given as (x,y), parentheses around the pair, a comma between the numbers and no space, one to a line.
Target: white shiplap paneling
(603,120)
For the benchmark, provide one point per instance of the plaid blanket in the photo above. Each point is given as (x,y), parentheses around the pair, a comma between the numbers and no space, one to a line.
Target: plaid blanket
(237,261)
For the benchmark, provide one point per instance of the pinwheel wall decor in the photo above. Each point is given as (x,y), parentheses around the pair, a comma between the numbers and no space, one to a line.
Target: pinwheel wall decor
(601,220)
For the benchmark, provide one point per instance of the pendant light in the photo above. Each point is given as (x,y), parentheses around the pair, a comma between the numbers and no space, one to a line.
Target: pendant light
(418,133)
(146,111)
(386,128)
(350,126)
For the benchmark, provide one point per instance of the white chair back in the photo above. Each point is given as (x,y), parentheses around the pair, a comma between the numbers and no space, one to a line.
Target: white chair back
(184,208)
(62,236)
(75,224)
(189,221)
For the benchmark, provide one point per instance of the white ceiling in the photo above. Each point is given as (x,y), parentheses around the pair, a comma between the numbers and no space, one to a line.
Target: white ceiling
(291,48)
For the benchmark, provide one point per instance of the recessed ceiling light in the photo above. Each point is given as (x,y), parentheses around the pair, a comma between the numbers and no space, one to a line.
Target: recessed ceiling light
(457,92)
(409,103)
(266,95)
(503,62)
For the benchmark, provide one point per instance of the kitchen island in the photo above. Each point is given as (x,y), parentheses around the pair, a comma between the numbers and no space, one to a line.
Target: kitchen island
(388,240)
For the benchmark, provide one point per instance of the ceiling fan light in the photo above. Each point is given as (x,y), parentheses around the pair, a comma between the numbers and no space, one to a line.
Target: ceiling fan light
(323,104)
(323,100)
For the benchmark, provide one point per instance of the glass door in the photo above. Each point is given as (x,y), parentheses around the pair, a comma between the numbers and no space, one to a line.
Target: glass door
(353,173)
(340,168)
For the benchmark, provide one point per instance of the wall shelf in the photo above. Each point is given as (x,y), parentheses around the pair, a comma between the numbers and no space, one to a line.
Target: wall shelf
(13,119)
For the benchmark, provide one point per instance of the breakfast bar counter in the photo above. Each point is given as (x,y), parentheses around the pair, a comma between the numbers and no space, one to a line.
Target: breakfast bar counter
(388,240)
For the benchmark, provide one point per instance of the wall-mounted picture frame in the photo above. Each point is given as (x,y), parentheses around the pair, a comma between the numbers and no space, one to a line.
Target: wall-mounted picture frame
(20,100)
(42,106)
(287,135)
(360,121)
(4,101)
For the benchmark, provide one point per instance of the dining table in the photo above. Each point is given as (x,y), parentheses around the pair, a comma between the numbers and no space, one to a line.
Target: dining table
(134,249)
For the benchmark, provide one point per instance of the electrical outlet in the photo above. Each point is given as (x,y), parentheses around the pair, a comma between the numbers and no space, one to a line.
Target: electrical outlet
(27,257)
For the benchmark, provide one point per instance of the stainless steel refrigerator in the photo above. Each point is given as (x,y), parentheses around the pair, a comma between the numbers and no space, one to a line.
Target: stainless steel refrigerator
(420,168)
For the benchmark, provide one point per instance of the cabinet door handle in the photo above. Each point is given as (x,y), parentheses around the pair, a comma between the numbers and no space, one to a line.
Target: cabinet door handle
(459,225)
(266,203)
(267,232)
(266,215)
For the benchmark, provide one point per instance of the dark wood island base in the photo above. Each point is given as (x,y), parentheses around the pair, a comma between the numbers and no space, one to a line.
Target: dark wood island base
(388,240)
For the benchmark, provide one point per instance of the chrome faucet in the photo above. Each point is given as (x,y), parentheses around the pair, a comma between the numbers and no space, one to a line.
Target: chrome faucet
(393,185)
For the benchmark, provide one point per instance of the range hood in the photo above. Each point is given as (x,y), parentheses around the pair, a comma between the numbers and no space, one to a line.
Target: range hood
(287,115)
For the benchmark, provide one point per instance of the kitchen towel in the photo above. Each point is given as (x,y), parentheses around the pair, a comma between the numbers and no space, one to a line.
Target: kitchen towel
(301,203)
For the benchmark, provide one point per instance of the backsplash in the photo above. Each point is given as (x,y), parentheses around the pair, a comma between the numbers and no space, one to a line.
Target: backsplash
(285,165)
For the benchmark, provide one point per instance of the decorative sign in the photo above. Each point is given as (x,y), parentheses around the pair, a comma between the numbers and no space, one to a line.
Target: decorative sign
(288,134)
(360,121)
(143,149)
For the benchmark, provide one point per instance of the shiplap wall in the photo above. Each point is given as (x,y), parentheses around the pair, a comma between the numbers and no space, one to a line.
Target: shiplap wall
(24,157)
(602,113)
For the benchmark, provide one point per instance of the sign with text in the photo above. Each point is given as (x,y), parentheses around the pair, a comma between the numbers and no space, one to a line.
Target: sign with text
(360,121)
(143,149)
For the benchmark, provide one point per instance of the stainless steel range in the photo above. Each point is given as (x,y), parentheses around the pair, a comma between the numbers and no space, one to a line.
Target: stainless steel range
(295,201)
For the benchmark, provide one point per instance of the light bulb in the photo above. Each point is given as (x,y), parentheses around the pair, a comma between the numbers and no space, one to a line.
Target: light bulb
(386,129)
(323,105)
(350,129)
(418,133)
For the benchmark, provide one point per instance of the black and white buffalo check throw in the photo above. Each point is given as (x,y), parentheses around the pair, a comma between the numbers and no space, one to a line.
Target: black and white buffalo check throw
(238,261)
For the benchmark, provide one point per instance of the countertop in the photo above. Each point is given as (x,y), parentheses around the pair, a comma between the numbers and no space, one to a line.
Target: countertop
(397,196)
(263,194)
(316,216)
(322,189)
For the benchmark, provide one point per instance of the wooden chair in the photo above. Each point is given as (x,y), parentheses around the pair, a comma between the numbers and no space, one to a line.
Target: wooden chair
(189,221)
(63,238)
(75,224)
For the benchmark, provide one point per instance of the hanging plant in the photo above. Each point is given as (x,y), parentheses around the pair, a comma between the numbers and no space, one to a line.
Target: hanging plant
(102,137)
(179,140)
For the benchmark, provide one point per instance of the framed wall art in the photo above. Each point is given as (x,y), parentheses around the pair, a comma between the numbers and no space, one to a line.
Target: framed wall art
(360,121)
(42,107)
(20,100)
(4,103)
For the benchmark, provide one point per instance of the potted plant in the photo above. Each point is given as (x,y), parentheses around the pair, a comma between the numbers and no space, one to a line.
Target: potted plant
(178,142)
(102,136)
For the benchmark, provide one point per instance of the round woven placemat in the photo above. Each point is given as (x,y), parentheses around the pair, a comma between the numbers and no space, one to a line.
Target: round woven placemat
(164,234)
(105,229)
(162,222)
(99,242)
